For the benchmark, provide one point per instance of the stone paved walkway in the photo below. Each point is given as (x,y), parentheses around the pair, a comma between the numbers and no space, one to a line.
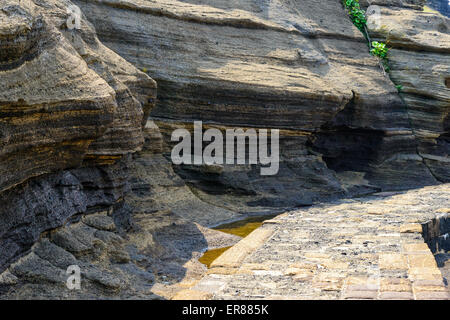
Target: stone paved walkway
(366,248)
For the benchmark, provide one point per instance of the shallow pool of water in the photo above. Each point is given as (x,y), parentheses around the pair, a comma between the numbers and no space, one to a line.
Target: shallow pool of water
(241,228)
(211,255)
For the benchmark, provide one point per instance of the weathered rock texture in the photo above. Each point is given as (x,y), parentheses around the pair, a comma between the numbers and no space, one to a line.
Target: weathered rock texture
(72,111)
(419,59)
(66,103)
(47,203)
(289,65)
(155,187)
(144,248)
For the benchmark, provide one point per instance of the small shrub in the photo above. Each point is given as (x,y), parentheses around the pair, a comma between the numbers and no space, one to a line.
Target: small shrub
(379,49)
(358,18)
(357,15)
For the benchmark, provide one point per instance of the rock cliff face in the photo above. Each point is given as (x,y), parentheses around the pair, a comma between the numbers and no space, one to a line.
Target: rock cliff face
(79,186)
(287,65)
(66,103)
(146,253)
(420,63)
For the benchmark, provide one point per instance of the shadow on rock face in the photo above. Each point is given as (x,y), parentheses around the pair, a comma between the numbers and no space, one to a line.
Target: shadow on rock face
(293,73)
(126,246)
(158,249)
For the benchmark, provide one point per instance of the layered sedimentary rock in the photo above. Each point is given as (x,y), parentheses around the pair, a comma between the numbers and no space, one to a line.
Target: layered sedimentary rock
(64,95)
(288,65)
(145,247)
(71,113)
(49,202)
(419,60)
(69,107)
(72,110)
(155,187)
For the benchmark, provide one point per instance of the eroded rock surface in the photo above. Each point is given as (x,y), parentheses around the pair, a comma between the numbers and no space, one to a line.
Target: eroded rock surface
(156,187)
(72,111)
(271,64)
(145,246)
(155,258)
(419,60)
(67,103)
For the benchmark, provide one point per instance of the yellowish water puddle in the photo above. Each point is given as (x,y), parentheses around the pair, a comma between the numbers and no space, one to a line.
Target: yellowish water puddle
(241,228)
(428,9)
(211,255)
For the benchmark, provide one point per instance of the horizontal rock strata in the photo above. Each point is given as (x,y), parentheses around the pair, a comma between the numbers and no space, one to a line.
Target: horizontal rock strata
(47,203)
(69,107)
(419,60)
(80,191)
(281,65)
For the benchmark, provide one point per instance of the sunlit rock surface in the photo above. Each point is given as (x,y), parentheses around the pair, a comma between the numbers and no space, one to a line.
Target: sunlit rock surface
(72,110)
(66,103)
(420,63)
(271,64)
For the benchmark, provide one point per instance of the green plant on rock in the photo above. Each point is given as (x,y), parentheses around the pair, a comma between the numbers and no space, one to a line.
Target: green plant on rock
(357,15)
(379,49)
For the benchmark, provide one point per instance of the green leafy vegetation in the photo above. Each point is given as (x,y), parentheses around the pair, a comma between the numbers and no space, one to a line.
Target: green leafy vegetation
(358,17)
(379,49)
